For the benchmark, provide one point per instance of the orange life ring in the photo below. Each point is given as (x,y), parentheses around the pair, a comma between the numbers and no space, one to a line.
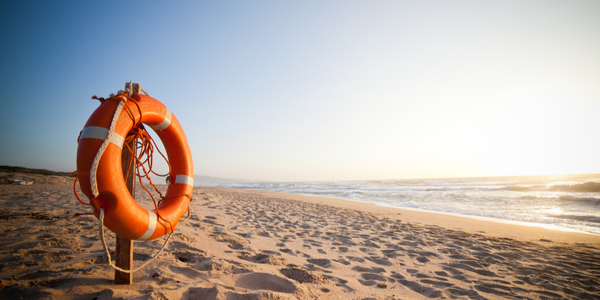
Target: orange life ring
(122,214)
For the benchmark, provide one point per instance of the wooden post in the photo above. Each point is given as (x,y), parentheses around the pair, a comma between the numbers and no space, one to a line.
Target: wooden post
(124,248)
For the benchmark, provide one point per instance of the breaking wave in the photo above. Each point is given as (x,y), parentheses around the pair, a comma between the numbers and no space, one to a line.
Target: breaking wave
(591,200)
(592,219)
(588,187)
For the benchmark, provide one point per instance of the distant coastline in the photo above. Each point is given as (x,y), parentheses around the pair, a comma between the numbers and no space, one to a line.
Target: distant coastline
(198,179)
(11,169)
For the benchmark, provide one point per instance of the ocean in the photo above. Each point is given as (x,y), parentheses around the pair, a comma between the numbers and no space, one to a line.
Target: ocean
(565,201)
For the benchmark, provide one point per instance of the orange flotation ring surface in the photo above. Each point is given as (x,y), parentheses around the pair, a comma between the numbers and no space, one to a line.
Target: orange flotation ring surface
(122,214)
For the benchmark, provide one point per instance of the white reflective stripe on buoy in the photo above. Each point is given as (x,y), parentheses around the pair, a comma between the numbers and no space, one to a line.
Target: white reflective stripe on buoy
(101,133)
(165,122)
(184,179)
(151,226)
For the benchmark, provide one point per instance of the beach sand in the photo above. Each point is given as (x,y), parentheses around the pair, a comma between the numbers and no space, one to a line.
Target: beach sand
(242,244)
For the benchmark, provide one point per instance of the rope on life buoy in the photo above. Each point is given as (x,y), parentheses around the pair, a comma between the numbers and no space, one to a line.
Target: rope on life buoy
(111,132)
(110,263)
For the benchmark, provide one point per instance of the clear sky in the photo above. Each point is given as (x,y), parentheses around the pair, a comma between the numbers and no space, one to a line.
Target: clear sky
(316,90)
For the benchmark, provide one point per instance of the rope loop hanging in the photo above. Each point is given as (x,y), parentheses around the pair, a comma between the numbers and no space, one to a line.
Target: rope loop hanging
(111,264)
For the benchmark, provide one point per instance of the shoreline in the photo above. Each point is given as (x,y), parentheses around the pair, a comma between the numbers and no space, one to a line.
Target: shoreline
(480,218)
(483,225)
(564,202)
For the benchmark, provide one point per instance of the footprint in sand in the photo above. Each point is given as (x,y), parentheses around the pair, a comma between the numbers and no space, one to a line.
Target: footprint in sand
(302,276)
(370,279)
(218,293)
(343,249)
(368,270)
(342,261)
(384,261)
(265,281)
(322,262)
(423,290)
(263,258)
(355,259)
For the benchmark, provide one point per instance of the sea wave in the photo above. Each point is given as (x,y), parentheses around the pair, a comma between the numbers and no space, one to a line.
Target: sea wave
(588,187)
(591,219)
(592,200)
(467,188)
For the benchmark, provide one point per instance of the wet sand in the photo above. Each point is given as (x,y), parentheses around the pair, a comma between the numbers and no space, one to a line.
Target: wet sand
(242,244)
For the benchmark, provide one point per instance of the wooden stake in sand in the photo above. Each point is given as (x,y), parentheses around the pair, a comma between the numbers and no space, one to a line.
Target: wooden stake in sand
(124,248)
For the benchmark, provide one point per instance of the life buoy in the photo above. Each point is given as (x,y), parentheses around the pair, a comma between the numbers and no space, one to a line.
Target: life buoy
(122,214)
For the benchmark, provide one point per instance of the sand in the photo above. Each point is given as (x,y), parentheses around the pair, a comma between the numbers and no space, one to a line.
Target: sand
(261,245)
